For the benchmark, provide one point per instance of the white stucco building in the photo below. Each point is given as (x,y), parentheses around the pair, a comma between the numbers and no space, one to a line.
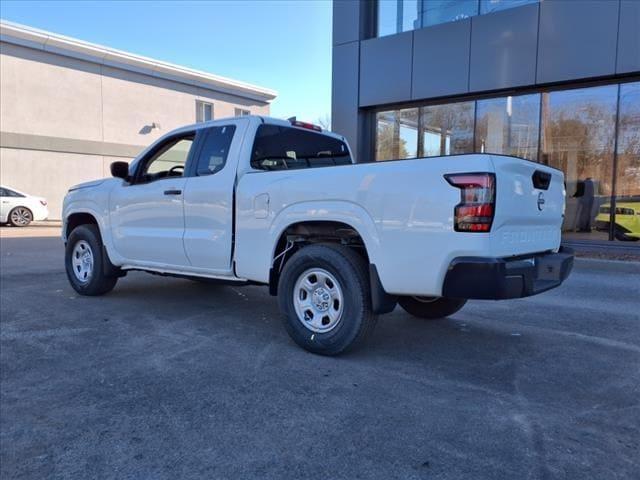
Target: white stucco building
(69,108)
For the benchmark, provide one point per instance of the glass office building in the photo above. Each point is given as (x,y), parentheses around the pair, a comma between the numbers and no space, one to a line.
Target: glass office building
(448,77)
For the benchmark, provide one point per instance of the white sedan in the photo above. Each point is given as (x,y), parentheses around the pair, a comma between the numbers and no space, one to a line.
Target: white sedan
(19,208)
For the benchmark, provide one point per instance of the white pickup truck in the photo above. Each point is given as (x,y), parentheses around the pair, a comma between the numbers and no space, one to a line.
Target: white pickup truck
(256,200)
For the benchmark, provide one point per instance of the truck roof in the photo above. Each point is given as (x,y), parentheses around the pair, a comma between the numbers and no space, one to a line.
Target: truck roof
(261,118)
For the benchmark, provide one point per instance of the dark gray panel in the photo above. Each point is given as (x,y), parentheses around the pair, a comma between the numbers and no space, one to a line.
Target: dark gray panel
(344,92)
(577,39)
(503,49)
(629,37)
(441,60)
(346,21)
(385,69)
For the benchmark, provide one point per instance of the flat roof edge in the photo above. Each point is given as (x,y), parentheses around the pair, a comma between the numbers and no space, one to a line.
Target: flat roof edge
(59,44)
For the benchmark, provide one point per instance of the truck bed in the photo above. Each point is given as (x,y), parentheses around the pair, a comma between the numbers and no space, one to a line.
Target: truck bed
(404,212)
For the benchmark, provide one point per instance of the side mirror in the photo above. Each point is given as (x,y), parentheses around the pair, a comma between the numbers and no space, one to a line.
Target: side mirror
(120,170)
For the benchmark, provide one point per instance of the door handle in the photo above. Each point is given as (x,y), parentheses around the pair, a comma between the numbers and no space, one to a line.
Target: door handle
(173,192)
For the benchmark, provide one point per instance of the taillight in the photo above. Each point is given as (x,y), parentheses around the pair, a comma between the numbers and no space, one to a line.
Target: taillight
(43,203)
(475,211)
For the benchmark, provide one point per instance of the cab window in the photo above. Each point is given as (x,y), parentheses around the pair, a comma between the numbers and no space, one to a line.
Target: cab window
(168,161)
(285,148)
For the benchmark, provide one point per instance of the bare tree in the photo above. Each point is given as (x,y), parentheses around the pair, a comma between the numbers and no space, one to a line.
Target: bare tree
(324,121)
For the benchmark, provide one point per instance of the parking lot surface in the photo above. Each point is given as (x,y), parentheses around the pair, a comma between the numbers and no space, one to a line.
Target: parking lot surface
(167,378)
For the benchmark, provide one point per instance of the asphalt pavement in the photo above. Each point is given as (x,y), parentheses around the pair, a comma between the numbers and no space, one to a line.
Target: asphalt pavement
(171,379)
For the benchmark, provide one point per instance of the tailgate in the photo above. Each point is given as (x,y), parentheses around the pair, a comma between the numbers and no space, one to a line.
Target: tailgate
(529,207)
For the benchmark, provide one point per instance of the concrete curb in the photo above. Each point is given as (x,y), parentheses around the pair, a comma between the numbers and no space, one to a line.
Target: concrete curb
(47,223)
(621,266)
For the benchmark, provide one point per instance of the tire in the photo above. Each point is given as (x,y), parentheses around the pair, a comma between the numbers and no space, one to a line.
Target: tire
(431,308)
(622,237)
(86,276)
(341,285)
(20,217)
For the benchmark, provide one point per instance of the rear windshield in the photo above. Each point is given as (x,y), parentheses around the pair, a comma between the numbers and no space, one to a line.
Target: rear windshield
(286,148)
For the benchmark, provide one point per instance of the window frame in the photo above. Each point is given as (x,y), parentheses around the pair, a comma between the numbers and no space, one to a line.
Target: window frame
(242,112)
(200,105)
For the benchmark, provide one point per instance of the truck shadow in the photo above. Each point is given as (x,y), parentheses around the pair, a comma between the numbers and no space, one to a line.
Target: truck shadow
(461,347)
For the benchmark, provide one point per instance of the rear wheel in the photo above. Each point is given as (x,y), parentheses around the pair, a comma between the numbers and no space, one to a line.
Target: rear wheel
(324,294)
(431,307)
(85,264)
(20,217)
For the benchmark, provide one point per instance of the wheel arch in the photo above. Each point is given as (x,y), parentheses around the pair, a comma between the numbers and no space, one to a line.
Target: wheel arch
(76,219)
(86,217)
(342,214)
(327,221)
(299,234)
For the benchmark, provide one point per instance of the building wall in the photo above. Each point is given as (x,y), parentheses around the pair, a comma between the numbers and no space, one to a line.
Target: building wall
(63,120)
(535,45)
(553,81)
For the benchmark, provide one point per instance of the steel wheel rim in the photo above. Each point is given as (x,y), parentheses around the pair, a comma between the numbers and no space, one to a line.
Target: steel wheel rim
(21,216)
(426,299)
(82,261)
(318,300)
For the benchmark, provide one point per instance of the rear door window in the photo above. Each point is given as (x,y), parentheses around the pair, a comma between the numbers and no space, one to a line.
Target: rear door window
(215,149)
(286,148)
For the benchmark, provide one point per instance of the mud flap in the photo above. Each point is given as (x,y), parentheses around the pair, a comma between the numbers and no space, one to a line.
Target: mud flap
(381,301)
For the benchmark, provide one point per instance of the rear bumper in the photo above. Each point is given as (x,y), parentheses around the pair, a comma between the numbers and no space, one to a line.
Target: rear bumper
(499,278)
(41,214)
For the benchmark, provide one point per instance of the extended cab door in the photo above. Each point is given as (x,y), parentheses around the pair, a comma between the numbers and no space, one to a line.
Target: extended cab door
(209,198)
(147,216)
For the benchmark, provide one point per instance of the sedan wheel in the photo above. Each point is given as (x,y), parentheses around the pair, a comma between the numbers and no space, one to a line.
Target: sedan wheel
(20,217)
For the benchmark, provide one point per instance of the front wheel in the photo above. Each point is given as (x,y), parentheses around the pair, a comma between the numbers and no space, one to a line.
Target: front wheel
(85,264)
(325,297)
(431,308)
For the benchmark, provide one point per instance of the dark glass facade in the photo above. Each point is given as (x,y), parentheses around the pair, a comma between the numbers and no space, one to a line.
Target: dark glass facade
(626,185)
(508,125)
(551,81)
(592,134)
(446,129)
(395,16)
